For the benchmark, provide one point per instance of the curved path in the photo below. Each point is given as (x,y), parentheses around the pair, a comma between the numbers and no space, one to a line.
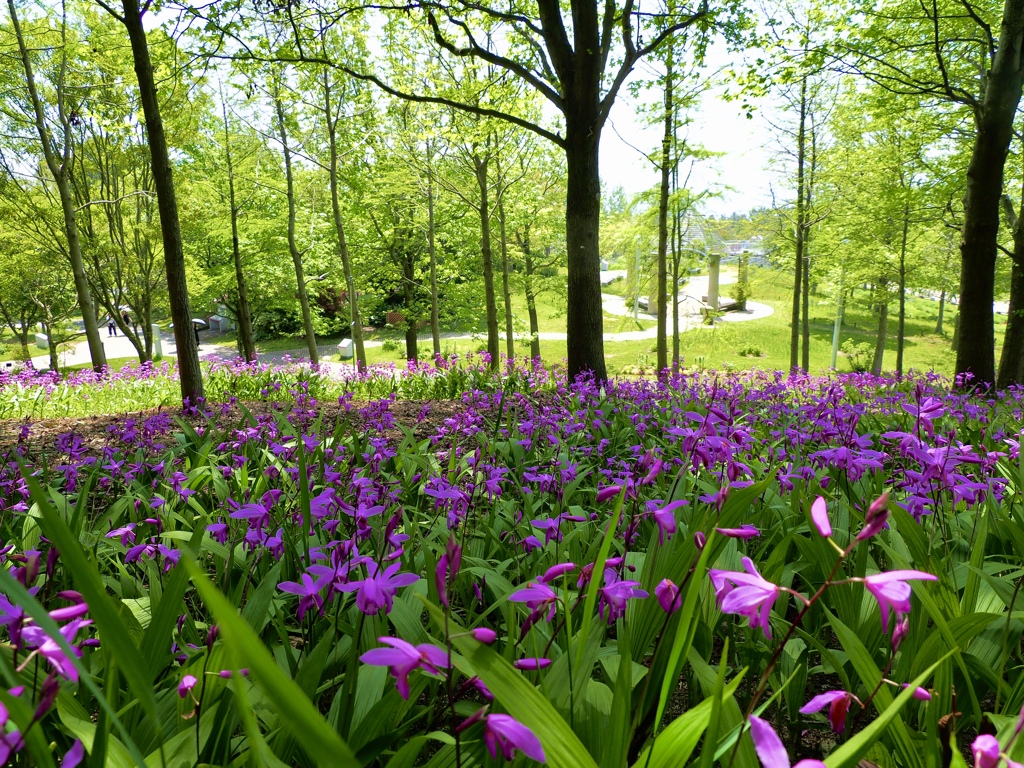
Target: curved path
(690,306)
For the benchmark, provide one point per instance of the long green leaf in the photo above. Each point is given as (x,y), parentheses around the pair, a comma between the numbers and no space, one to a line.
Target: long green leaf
(852,751)
(595,579)
(318,739)
(524,702)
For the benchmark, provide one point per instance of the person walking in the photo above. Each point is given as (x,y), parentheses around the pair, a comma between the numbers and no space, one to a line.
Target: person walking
(111,327)
(195,327)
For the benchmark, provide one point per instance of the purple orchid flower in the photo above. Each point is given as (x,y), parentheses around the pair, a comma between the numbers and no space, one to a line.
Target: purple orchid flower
(404,658)
(838,703)
(611,603)
(746,594)
(745,531)
(892,591)
(537,598)
(378,589)
(770,749)
(308,591)
(668,596)
(819,516)
(504,733)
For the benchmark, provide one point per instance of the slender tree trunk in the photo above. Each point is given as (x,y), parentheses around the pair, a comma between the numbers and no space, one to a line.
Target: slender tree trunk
(799,234)
(942,311)
(435,325)
(714,268)
(677,255)
(901,322)
(190,373)
(408,285)
(300,276)
(994,118)
(805,321)
(666,159)
(59,169)
(355,320)
(510,342)
(480,164)
(51,347)
(242,313)
(883,322)
(584,316)
(531,300)
(1011,361)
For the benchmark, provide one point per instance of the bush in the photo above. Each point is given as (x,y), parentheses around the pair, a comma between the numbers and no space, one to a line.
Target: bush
(274,323)
(858,355)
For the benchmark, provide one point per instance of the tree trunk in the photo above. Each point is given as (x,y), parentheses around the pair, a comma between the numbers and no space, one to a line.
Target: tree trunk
(801,152)
(189,372)
(510,342)
(677,255)
(408,284)
(293,248)
(942,311)
(355,320)
(714,267)
(51,347)
(242,313)
(805,321)
(493,349)
(531,302)
(584,315)
(59,170)
(883,322)
(994,118)
(435,325)
(666,157)
(901,321)
(1011,361)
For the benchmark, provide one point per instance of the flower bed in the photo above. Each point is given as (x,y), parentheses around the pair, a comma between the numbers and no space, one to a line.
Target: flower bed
(712,568)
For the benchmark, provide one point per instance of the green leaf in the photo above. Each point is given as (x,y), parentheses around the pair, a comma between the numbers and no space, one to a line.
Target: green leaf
(524,702)
(318,739)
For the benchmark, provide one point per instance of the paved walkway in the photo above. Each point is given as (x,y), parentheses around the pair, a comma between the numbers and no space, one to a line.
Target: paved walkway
(690,306)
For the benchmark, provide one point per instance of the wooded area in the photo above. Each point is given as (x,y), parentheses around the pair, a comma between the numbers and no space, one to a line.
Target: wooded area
(432,159)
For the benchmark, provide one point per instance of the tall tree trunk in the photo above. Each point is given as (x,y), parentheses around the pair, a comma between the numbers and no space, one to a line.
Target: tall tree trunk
(666,158)
(59,169)
(411,322)
(805,321)
(901,322)
(245,334)
(355,320)
(882,294)
(714,269)
(510,342)
(1011,361)
(942,311)
(480,163)
(531,299)
(799,233)
(994,117)
(189,372)
(51,346)
(293,248)
(435,325)
(584,316)
(677,255)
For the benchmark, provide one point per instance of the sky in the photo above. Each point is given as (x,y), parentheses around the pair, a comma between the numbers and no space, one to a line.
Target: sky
(741,176)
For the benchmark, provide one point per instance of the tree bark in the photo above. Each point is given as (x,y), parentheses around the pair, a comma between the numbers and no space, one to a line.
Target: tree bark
(994,117)
(59,169)
(805,321)
(480,163)
(190,373)
(435,325)
(942,312)
(408,284)
(883,323)
(531,298)
(242,312)
(293,248)
(584,315)
(901,321)
(666,156)
(355,320)
(510,342)
(799,233)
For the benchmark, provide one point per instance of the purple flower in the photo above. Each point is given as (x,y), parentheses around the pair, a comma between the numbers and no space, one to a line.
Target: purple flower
(125,533)
(838,703)
(378,589)
(537,597)
(484,635)
(876,518)
(745,531)
(769,747)
(985,750)
(555,571)
(892,591)
(614,594)
(819,516)
(746,594)
(308,592)
(608,492)
(73,757)
(188,682)
(447,569)
(665,517)
(48,648)
(533,663)
(668,596)
(503,732)
(403,658)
